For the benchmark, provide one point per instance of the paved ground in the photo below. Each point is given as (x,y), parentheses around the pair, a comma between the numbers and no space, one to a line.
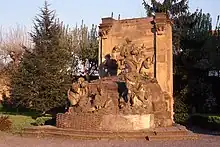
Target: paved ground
(17,141)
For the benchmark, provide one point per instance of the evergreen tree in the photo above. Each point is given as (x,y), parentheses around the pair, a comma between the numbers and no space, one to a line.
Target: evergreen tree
(191,65)
(213,47)
(43,77)
(173,7)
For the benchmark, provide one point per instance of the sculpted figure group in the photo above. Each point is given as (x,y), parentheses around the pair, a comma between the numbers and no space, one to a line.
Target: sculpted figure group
(133,59)
(91,97)
(134,69)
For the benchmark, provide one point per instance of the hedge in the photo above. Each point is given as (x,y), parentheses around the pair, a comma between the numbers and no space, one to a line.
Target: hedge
(206,121)
(40,121)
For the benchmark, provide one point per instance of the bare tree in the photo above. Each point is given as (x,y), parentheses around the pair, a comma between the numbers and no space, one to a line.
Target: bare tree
(85,48)
(13,42)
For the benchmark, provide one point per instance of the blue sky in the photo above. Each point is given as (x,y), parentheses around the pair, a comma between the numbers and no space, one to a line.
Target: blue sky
(22,12)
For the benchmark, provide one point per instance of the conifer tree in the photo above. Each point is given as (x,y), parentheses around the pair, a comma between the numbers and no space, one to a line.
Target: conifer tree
(173,7)
(43,77)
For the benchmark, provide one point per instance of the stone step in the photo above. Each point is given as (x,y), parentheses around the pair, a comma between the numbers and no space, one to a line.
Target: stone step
(171,133)
(161,134)
(83,136)
(172,137)
(96,134)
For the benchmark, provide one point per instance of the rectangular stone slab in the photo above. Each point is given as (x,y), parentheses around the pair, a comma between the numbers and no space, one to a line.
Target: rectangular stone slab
(127,122)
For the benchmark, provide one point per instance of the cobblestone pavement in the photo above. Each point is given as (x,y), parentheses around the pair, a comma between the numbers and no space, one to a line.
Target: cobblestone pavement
(17,141)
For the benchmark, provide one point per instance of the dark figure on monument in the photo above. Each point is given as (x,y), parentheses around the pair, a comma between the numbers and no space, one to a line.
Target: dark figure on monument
(108,67)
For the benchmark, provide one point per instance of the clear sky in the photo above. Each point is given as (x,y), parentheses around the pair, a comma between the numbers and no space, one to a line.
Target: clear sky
(22,12)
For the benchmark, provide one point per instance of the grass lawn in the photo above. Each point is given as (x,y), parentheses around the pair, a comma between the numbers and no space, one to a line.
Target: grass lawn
(19,122)
(22,120)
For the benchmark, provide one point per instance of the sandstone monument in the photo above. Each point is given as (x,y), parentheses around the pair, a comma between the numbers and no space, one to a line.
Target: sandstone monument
(135,90)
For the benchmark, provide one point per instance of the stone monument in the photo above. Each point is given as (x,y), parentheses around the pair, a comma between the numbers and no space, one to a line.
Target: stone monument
(141,32)
(128,97)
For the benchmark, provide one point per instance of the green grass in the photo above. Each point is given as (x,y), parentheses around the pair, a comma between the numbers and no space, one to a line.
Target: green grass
(19,122)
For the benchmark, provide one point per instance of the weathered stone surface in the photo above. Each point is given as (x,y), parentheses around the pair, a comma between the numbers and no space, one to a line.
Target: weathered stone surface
(163,122)
(163,119)
(161,58)
(162,115)
(79,122)
(127,122)
(160,106)
(107,122)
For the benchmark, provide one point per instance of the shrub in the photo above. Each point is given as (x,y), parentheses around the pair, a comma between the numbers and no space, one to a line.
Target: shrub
(40,121)
(6,102)
(214,119)
(181,118)
(206,121)
(180,106)
(181,115)
(5,123)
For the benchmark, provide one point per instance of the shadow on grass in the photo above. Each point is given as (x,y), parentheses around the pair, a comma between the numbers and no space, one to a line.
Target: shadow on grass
(14,111)
(51,122)
(31,114)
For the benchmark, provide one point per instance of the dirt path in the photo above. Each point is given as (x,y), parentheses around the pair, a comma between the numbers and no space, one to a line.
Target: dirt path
(17,141)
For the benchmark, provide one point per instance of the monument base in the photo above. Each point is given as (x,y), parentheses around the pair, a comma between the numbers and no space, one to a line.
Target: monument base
(109,122)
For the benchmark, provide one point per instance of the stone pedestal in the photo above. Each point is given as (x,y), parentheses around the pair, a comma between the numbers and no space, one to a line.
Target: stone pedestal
(111,122)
